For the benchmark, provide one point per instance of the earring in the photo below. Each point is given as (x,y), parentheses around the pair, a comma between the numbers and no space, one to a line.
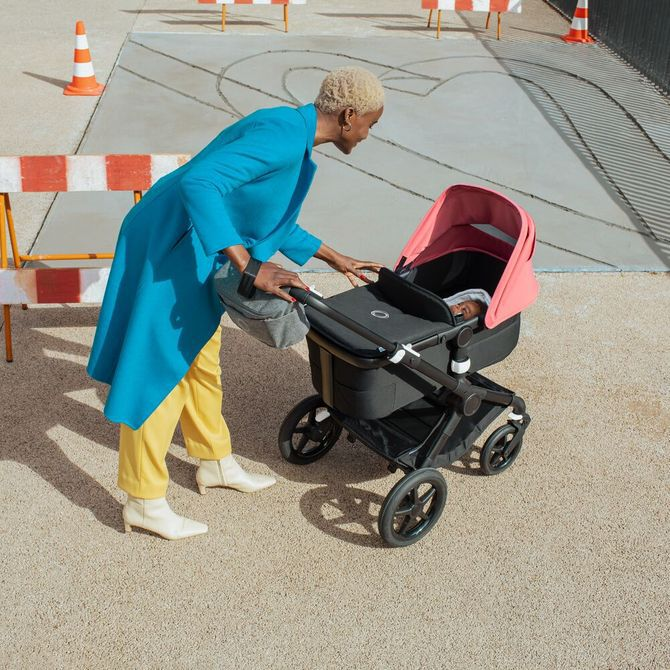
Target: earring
(346,127)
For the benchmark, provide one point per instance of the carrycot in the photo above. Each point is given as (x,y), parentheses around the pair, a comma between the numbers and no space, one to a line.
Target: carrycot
(472,237)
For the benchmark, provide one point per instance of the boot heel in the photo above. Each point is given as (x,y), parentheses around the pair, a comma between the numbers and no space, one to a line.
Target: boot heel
(127,527)
(202,489)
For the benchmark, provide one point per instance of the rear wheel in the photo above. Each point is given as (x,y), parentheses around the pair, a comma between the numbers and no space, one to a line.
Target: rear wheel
(308,432)
(412,507)
(500,450)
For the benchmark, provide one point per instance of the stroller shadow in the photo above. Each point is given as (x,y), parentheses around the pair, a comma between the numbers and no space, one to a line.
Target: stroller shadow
(345,513)
(468,464)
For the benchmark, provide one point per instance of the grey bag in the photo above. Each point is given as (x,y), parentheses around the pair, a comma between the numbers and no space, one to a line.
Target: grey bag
(266,317)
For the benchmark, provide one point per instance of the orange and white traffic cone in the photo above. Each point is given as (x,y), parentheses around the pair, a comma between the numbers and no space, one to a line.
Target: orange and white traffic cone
(579,29)
(83,81)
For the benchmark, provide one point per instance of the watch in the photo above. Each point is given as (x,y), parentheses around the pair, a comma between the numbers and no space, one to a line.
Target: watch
(246,286)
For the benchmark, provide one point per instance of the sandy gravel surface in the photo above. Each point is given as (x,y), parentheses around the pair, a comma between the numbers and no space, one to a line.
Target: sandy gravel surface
(561,562)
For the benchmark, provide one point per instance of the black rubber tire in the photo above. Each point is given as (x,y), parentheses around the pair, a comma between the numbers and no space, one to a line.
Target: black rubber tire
(301,421)
(492,461)
(404,518)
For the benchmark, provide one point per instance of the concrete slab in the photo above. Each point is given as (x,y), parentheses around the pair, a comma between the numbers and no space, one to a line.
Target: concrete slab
(456,112)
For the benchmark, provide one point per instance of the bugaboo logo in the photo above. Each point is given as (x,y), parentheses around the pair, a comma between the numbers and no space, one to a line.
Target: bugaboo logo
(379,314)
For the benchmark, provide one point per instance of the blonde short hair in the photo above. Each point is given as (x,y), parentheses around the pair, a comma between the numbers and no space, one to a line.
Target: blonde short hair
(353,87)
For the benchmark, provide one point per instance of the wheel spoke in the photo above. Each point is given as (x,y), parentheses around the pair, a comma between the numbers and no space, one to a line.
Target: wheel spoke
(427,496)
(405,524)
(311,417)
(300,431)
(403,512)
(304,440)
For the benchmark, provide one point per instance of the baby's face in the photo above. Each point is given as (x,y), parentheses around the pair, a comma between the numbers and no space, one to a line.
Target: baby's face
(468,308)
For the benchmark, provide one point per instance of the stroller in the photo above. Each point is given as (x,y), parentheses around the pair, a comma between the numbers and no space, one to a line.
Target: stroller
(395,369)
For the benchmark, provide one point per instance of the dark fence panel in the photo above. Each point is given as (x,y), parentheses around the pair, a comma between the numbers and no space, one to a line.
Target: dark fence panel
(638,30)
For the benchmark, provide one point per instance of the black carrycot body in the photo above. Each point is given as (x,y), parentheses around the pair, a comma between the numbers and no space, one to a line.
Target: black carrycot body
(357,379)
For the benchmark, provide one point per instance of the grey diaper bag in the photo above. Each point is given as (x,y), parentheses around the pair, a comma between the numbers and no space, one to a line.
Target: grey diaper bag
(266,317)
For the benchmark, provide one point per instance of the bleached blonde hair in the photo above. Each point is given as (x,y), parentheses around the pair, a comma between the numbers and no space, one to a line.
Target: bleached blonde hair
(353,87)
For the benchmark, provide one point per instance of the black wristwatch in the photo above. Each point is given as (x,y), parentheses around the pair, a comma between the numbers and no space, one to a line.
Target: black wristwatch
(246,287)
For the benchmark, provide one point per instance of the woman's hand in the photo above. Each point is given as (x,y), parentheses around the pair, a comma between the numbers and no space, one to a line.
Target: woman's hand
(350,267)
(272,276)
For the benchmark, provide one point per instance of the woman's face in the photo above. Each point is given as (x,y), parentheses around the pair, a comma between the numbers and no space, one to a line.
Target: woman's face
(360,127)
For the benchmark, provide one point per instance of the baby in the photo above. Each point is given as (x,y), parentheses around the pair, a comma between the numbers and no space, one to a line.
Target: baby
(469,303)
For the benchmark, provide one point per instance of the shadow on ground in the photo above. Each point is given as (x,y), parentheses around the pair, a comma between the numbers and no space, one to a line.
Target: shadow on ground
(261,385)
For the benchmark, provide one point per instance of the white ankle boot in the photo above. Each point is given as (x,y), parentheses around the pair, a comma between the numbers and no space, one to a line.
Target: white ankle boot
(227,472)
(156,516)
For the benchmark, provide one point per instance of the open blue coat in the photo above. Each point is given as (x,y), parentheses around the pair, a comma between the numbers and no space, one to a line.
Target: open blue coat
(160,307)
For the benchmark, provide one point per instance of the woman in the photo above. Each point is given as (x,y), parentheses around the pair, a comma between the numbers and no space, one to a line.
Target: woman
(158,335)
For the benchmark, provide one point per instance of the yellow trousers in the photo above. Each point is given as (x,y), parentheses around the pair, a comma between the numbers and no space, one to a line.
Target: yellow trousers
(196,403)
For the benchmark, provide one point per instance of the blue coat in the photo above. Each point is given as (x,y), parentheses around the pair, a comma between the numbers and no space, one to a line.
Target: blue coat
(160,307)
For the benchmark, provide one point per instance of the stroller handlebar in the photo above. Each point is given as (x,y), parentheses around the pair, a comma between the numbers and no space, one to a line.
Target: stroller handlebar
(396,352)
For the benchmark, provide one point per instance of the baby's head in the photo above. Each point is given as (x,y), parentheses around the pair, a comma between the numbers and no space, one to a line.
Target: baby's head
(468,308)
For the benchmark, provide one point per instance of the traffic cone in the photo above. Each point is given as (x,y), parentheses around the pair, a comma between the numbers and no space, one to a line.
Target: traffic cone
(579,29)
(83,80)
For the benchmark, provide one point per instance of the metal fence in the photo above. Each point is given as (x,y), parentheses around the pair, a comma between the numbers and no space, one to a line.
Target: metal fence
(637,30)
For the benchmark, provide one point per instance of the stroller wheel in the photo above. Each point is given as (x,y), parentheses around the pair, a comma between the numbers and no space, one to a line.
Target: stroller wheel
(412,507)
(308,432)
(500,450)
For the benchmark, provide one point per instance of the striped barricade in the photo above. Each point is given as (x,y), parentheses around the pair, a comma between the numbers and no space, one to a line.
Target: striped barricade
(46,286)
(223,4)
(490,6)
(53,174)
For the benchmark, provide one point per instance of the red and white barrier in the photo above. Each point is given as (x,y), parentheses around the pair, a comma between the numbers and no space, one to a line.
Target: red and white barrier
(252,2)
(112,172)
(224,3)
(474,5)
(52,285)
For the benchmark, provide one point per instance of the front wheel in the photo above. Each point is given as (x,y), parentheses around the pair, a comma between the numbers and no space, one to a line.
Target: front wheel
(308,432)
(412,507)
(500,450)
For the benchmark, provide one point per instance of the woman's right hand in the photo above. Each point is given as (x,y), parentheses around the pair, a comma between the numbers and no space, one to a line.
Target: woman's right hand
(272,276)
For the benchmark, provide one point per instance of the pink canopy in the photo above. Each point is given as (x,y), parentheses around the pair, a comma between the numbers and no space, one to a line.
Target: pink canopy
(449,226)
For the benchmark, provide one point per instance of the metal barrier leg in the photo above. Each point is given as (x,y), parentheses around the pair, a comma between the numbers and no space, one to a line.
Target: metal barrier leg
(439,14)
(430,18)
(223,18)
(9,357)
(286,18)
(3,264)
(488,20)
(7,207)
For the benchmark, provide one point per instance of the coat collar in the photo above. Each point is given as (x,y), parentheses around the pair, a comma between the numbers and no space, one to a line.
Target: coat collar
(308,113)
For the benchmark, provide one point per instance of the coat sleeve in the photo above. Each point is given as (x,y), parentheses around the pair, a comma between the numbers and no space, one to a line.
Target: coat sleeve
(257,152)
(300,245)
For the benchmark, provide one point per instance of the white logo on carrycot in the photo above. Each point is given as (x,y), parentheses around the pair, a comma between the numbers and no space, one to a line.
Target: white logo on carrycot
(379,314)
